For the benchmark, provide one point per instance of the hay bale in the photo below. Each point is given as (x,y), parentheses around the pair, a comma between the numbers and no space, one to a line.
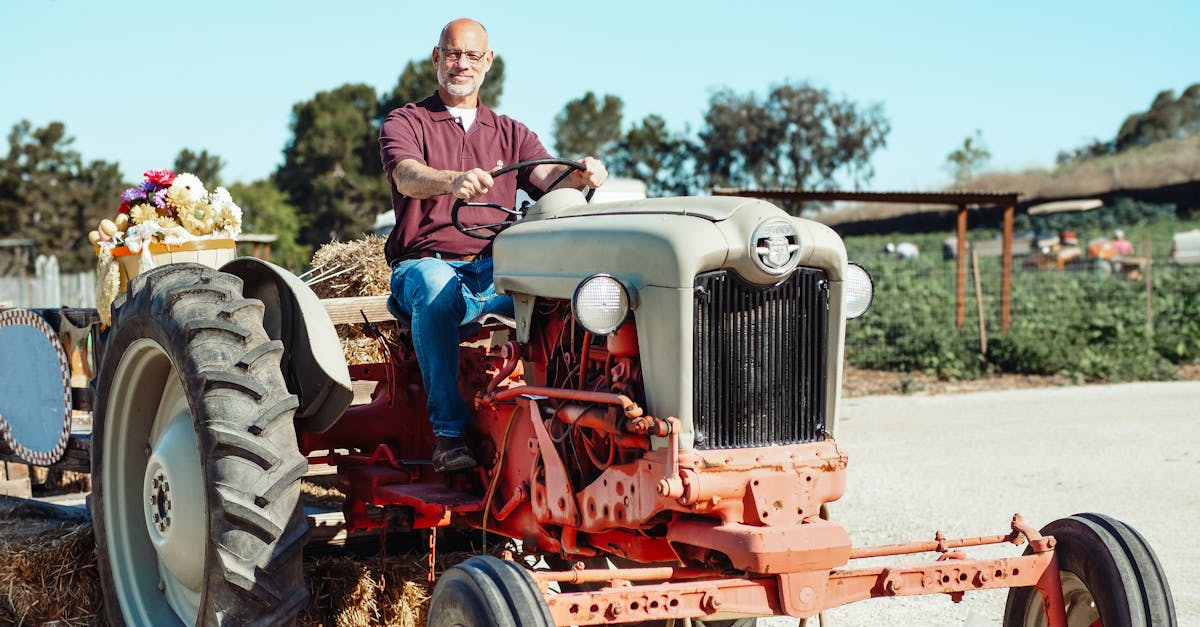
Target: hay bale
(357,268)
(48,566)
(350,592)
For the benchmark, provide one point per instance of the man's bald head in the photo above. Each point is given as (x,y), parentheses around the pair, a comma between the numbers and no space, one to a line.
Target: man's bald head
(462,59)
(461,28)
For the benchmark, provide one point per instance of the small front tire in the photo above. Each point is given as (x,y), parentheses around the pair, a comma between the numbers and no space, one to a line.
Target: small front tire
(485,590)
(1110,576)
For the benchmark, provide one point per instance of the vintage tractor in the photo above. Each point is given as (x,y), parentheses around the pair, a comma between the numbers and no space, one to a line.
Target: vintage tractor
(656,428)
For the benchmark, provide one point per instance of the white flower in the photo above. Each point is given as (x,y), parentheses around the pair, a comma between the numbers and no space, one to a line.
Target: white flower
(229,215)
(186,192)
(199,218)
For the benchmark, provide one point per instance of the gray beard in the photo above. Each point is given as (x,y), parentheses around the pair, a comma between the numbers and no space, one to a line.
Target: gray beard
(461,90)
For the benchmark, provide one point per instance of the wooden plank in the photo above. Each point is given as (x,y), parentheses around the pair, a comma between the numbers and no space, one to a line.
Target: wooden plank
(76,457)
(350,310)
(16,487)
(15,470)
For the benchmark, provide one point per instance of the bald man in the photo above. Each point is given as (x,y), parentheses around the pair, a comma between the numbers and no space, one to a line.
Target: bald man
(441,148)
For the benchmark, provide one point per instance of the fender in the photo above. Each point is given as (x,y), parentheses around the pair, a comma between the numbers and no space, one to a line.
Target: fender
(313,362)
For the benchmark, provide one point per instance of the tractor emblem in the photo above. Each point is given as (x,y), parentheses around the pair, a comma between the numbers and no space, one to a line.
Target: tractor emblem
(775,246)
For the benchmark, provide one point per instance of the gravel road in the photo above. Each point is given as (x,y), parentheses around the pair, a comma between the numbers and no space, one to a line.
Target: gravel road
(965,463)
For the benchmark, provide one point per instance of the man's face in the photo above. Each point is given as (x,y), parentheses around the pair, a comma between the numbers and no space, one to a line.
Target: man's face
(463,60)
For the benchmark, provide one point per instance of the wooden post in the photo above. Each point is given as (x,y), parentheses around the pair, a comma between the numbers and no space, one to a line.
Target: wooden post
(979,304)
(1006,270)
(960,309)
(1149,290)
(14,479)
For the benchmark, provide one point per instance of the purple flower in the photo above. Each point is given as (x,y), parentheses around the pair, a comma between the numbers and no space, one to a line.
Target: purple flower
(160,198)
(133,194)
(150,187)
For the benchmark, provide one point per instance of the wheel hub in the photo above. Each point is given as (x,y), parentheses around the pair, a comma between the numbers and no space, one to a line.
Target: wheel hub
(160,502)
(173,502)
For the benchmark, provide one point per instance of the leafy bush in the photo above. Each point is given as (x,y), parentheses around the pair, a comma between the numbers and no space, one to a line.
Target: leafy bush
(1088,325)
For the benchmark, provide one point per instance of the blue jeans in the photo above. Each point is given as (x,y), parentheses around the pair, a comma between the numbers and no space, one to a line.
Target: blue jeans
(440,299)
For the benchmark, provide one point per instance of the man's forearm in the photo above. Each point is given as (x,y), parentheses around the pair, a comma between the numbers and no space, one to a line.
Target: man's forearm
(416,180)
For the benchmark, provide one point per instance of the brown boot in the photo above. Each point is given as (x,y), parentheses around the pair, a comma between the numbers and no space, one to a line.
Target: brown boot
(451,454)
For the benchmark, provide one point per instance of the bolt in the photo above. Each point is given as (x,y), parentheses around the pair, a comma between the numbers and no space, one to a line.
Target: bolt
(162,587)
(617,609)
(981,578)
(710,602)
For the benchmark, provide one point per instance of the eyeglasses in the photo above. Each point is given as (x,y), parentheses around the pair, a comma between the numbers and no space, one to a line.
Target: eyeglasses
(453,56)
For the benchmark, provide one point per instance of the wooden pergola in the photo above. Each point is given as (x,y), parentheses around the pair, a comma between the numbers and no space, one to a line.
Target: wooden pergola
(962,200)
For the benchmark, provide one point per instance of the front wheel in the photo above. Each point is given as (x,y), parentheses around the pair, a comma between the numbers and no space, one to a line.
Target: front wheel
(195,468)
(485,590)
(1110,576)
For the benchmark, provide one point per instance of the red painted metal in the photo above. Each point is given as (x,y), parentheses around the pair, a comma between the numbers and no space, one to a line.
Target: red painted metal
(571,472)
(679,592)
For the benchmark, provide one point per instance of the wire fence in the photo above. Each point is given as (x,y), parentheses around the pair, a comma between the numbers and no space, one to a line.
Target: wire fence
(1061,315)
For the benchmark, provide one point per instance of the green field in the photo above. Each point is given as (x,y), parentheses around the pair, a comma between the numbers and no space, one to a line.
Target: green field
(1087,324)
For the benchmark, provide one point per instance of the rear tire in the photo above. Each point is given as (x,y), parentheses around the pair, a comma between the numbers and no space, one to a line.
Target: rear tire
(485,590)
(1109,574)
(195,467)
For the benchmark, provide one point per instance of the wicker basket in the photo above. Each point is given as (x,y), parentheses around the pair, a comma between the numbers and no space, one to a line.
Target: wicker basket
(210,252)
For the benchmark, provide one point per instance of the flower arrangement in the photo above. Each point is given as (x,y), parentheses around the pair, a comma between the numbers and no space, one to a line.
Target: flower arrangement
(166,211)
(169,208)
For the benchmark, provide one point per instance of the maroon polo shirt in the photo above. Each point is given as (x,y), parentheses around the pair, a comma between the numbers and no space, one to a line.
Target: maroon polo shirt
(427,132)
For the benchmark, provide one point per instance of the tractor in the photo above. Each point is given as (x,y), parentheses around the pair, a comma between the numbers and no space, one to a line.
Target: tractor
(656,428)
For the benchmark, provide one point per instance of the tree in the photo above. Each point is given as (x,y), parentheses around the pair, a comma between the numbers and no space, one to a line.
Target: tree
(266,210)
(206,166)
(588,125)
(332,171)
(1167,118)
(967,160)
(799,136)
(651,153)
(48,194)
(418,80)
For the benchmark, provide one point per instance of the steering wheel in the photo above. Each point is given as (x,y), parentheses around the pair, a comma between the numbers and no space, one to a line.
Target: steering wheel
(491,230)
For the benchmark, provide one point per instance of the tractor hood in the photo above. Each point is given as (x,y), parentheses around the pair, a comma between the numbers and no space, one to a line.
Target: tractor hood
(654,242)
(568,203)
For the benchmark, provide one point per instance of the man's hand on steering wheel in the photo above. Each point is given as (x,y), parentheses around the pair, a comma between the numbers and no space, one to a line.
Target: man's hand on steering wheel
(589,173)
(472,184)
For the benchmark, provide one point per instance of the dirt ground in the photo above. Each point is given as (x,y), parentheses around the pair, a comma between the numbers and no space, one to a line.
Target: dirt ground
(857,382)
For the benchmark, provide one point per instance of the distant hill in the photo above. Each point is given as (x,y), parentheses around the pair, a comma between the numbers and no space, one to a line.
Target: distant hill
(1166,172)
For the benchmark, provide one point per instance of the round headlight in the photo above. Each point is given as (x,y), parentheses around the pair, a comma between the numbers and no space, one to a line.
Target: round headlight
(600,304)
(859,289)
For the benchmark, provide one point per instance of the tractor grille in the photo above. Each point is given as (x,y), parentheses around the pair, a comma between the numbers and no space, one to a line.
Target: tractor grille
(759,360)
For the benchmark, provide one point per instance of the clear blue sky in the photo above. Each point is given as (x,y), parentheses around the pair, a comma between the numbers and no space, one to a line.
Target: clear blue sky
(135,82)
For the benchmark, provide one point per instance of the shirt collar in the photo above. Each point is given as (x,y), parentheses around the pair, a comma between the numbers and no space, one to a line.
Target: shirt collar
(438,112)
